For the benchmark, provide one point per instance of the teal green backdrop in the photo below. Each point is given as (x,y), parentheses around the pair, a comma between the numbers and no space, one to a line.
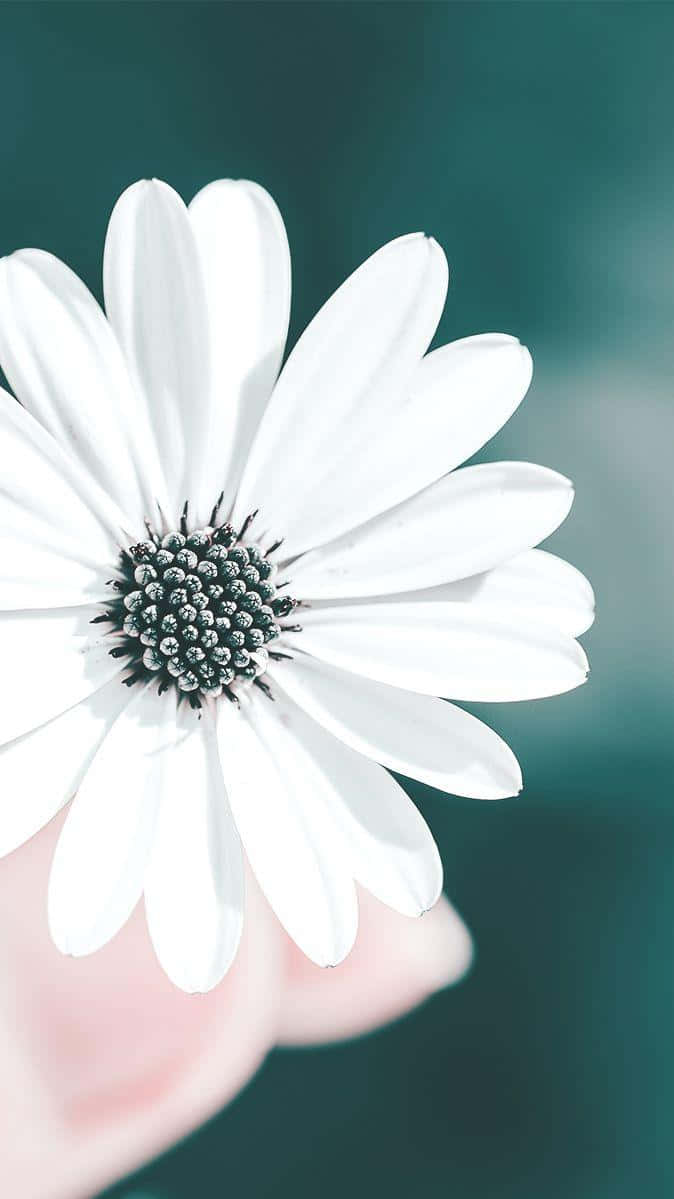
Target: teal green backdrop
(535,142)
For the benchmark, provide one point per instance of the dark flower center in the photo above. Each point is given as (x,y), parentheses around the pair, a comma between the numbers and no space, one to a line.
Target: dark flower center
(196,610)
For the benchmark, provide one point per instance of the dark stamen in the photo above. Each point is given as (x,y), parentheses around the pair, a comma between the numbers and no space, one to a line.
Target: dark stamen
(265,688)
(247,523)
(150,531)
(215,509)
(132,678)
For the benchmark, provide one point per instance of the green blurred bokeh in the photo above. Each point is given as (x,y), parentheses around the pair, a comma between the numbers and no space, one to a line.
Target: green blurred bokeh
(535,142)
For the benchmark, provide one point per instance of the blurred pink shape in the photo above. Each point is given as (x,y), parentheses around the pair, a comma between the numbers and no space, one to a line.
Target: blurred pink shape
(103,1063)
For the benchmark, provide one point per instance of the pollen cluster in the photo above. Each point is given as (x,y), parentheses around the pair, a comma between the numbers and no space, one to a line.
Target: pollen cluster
(196,610)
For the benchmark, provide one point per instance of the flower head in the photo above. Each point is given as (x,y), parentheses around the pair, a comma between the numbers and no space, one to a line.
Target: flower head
(230,600)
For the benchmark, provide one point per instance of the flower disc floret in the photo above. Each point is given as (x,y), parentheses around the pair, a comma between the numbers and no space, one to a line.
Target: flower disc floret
(195,610)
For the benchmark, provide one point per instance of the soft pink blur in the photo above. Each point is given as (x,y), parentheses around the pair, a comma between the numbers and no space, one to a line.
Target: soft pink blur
(103,1063)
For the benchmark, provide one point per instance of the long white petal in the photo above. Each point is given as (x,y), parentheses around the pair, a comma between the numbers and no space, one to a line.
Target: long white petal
(101,856)
(246,265)
(416,735)
(65,365)
(194,887)
(155,300)
(347,370)
(468,522)
(60,534)
(457,650)
(390,848)
(42,770)
(533,586)
(50,660)
(46,498)
(34,578)
(291,842)
(459,396)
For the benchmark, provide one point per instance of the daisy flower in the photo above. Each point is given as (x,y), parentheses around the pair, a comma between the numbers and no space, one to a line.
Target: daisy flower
(230,600)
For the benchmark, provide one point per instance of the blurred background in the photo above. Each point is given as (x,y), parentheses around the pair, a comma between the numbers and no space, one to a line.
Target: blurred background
(534,141)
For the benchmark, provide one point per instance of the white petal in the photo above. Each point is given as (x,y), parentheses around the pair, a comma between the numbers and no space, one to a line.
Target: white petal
(533,586)
(64,364)
(291,842)
(194,888)
(34,578)
(41,771)
(51,660)
(344,376)
(460,396)
(45,498)
(155,300)
(416,735)
(246,265)
(97,874)
(457,399)
(390,848)
(466,523)
(457,650)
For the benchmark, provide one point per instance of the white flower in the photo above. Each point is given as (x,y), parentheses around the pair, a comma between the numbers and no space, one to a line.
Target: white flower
(414,582)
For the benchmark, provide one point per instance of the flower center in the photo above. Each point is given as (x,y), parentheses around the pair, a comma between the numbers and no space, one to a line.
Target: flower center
(196,610)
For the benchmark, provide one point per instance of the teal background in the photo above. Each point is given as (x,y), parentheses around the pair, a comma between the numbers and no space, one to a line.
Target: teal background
(535,142)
